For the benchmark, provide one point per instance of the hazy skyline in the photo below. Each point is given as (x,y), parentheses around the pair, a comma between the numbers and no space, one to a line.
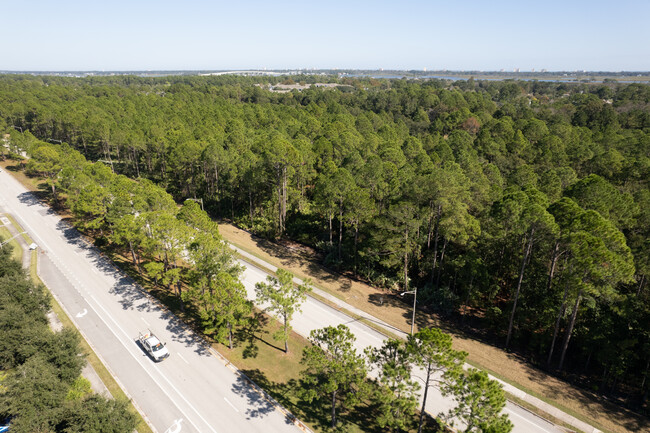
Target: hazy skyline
(212,35)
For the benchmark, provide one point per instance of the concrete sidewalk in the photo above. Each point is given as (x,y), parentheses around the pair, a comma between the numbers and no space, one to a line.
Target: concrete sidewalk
(347,308)
(55,324)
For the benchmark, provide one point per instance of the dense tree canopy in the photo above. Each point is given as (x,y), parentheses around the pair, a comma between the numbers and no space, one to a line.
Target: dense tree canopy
(521,205)
(41,387)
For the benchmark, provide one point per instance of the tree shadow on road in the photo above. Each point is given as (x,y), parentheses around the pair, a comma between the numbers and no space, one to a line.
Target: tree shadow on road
(258,404)
(287,395)
(181,333)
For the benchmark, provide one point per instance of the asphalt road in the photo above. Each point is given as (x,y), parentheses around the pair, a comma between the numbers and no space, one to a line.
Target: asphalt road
(315,314)
(191,391)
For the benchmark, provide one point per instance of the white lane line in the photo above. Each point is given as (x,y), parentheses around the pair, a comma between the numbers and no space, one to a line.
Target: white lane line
(231,405)
(131,353)
(181,356)
(145,321)
(333,312)
(23,223)
(155,367)
(176,427)
(527,420)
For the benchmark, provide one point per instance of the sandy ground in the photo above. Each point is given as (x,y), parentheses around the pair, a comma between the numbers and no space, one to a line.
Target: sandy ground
(303,263)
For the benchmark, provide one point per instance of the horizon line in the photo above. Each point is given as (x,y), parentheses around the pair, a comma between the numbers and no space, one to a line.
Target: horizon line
(411,70)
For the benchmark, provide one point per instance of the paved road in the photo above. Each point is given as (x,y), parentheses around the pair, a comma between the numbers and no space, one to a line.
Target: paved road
(192,385)
(316,314)
(191,391)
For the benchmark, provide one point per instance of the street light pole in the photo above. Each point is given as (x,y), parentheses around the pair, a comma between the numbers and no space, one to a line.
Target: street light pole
(413,292)
(415,297)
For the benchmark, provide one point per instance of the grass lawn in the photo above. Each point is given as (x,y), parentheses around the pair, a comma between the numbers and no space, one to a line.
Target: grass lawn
(17,252)
(509,367)
(262,359)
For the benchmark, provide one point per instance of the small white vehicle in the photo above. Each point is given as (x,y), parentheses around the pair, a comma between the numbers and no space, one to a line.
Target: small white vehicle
(153,346)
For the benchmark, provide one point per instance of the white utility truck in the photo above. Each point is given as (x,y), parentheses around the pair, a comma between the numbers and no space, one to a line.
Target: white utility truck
(153,346)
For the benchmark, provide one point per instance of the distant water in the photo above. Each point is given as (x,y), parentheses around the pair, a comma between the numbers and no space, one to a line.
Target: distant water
(456,78)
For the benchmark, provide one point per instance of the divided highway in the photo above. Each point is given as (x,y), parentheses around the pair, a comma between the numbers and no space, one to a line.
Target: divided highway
(316,314)
(192,390)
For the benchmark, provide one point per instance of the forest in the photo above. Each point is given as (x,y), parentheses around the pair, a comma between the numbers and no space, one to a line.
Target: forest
(519,210)
(41,387)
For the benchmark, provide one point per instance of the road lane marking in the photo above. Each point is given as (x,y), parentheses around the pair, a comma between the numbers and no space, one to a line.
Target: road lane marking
(83,313)
(178,421)
(35,234)
(145,321)
(181,356)
(31,231)
(527,420)
(176,426)
(135,357)
(231,405)
(155,367)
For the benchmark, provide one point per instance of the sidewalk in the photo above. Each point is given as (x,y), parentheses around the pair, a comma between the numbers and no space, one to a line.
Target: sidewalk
(55,324)
(542,405)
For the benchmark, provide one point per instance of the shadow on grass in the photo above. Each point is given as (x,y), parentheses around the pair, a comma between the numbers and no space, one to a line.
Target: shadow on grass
(362,418)
(321,273)
(248,335)
(287,394)
(297,256)
(15,168)
(178,321)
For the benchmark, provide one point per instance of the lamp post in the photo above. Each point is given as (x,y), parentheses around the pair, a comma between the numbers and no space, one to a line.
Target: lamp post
(413,292)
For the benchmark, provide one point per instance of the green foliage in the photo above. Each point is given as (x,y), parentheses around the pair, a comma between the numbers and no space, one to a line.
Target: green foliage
(222,306)
(431,350)
(43,390)
(283,298)
(440,185)
(480,401)
(397,391)
(79,389)
(96,414)
(333,370)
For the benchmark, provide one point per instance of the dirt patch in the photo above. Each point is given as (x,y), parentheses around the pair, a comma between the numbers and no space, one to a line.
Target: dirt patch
(396,311)
(304,262)
(16,171)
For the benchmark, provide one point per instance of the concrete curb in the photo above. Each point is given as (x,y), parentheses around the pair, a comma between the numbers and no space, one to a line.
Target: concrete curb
(511,389)
(214,352)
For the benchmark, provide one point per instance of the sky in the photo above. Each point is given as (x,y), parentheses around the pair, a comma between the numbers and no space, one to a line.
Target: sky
(136,35)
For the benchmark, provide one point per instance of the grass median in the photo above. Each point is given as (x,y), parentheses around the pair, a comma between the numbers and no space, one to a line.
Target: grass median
(304,263)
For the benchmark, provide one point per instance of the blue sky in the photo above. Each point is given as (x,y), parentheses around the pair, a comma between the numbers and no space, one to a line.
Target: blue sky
(201,34)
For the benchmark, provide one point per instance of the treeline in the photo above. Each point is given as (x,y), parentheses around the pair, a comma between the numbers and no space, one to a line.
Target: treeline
(523,207)
(181,251)
(40,384)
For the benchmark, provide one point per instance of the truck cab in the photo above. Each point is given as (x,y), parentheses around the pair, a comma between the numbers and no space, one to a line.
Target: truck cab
(153,346)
